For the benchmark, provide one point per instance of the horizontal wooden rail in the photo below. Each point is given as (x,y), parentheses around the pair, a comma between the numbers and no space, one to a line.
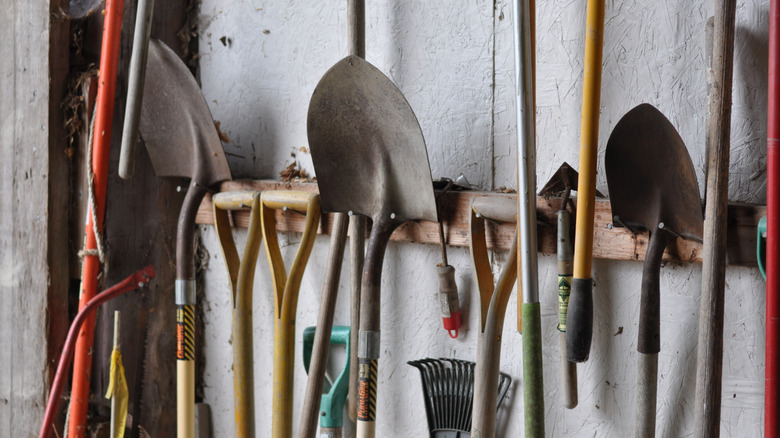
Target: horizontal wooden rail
(610,242)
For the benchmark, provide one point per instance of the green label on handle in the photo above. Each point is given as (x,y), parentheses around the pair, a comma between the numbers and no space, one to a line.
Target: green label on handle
(564,289)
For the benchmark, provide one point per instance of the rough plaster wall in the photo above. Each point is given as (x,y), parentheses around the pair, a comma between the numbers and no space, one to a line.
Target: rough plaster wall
(445,57)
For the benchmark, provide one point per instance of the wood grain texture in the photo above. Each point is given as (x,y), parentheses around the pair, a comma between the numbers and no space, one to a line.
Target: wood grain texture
(33,175)
(709,362)
(610,242)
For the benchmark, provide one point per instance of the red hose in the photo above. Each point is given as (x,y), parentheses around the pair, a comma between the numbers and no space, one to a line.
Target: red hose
(104,114)
(772,391)
(128,284)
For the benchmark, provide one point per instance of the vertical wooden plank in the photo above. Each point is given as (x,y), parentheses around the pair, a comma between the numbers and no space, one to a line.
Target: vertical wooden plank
(33,236)
(141,217)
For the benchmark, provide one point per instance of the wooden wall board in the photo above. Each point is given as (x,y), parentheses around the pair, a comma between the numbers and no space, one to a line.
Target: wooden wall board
(610,242)
(33,227)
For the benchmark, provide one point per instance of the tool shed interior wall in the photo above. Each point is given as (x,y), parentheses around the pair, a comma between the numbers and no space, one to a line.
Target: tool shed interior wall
(453,60)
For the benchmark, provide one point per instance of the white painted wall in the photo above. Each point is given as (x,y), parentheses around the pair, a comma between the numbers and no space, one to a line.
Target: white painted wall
(454,62)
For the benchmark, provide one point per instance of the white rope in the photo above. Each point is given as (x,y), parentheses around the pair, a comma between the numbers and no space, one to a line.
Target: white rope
(99,251)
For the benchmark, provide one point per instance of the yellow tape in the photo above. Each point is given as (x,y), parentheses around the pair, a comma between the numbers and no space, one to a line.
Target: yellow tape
(117,387)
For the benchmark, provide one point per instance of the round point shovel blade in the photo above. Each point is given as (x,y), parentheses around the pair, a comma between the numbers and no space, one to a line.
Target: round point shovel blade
(367,146)
(176,123)
(651,176)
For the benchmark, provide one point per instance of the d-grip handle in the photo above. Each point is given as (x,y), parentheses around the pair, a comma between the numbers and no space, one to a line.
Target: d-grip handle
(579,322)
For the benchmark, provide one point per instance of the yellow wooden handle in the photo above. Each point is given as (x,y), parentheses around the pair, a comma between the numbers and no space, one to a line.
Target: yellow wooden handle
(237,200)
(297,200)
(185,396)
(286,294)
(495,208)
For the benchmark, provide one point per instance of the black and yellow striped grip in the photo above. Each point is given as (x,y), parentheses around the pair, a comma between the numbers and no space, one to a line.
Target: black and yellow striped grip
(185,332)
(367,384)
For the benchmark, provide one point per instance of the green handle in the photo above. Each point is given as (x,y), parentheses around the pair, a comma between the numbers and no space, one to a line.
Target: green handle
(332,403)
(533,386)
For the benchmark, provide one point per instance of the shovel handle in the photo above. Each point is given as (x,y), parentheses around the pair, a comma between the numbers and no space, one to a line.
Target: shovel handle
(286,294)
(579,321)
(238,200)
(565,257)
(135,87)
(318,344)
(647,388)
(357,244)
(241,275)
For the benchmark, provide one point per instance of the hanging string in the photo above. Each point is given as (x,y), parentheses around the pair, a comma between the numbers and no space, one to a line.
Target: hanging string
(99,251)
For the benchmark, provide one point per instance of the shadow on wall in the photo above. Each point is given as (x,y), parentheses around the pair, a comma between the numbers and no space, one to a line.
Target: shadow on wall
(748,160)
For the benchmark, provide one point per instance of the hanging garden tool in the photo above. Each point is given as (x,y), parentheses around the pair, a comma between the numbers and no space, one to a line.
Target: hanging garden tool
(563,182)
(493,303)
(709,360)
(331,407)
(117,386)
(448,289)
(182,141)
(356,24)
(448,392)
(653,187)
(93,251)
(370,158)
(579,325)
(772,369)
(286,288)
(320,347)
(533,388)
(136,280)
(135,86)
(241,274)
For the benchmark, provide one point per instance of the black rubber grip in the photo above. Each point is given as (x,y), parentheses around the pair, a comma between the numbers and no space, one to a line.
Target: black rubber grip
(579,323)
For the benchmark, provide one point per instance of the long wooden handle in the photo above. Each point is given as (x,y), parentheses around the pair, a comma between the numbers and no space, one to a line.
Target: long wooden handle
(321,347)
(356,30)
(368,337)
(564,254)
(579,329)
(709,364)
(357,243)
(487,368)
(241,274)
(286,295)
(647,387)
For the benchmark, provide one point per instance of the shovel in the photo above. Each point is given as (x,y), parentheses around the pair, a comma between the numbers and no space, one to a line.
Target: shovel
(286,288)
(709,356)
(579,326)
(652,186)
(370,159)
(180,137)
(241,274)
(493,300)
(563,182)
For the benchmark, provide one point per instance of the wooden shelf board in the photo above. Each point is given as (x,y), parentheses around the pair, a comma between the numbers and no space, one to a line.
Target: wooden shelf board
(609,242)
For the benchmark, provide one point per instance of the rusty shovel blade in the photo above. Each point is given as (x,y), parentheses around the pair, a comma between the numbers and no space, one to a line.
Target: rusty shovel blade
(367,146)
(650,175)
(176,124)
